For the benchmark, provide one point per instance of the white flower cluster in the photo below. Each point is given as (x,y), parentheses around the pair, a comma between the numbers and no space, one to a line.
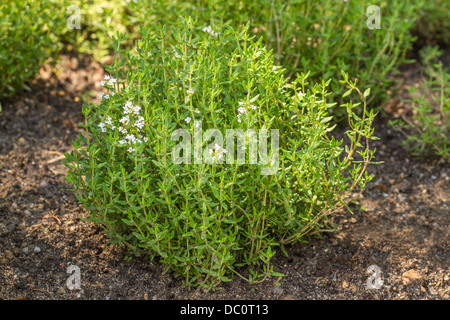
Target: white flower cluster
(110,82)
(101,95)
(108,122)
(130,109)
(130,113)
(210,31)
(217,152)
(243,110)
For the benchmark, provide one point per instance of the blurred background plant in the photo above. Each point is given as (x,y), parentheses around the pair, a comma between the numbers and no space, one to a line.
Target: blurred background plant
(322,37)
(433,25)
(99,21)
(427,129)
(29,35)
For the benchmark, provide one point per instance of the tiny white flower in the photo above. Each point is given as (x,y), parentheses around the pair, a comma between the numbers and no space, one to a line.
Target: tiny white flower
(139,123)
(197,124)
(123,130)
(124,120)
(274,68)
(130,149)
(102,126)
(188,119)
(190,91)
(112,81)
(210,31)
(242,110)
(177,55)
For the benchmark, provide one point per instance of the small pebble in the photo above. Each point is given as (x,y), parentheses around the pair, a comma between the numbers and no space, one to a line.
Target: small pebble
(21,141)
(37,249)
(60,291)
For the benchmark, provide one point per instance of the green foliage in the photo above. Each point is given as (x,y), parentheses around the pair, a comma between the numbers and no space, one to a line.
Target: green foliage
(206,220)
(428,130)
(27,38)
(433,26)
(322,37)
(99,21)
(326,37)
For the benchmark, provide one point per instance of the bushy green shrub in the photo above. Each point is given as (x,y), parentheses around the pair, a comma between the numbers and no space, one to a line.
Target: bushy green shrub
(427,130)
(205,220)
(28,37)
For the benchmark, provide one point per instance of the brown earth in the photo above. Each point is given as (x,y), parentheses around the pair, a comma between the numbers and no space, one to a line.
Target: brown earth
(401,224)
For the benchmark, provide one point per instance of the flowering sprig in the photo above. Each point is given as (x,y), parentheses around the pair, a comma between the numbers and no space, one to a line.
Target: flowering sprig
(243,109)
(217,152)
(108,82)
(111,81)
(129,121)
(210,31)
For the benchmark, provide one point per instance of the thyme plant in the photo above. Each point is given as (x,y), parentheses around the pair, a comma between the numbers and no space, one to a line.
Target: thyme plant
(427,130)
(210,220)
